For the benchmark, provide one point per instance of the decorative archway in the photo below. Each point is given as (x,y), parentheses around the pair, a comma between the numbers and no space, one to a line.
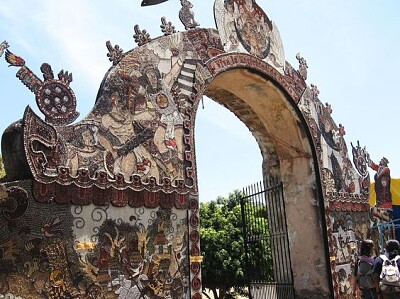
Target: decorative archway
(266,107)
(113,199)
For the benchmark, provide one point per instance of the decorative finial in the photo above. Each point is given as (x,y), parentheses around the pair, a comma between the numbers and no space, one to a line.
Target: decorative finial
(55,98)
(186,15)
(3,46)
(115,54)
(141,36)
(14,60)
(342,130)
(166,27)
(302,66)
(47,71)
(65,77)
(328,108)
(315,90)
(27,77)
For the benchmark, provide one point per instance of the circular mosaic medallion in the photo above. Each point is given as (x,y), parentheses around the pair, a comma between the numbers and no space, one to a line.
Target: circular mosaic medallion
(57,102)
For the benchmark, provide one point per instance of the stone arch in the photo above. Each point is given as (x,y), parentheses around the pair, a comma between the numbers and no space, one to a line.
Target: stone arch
(252,92)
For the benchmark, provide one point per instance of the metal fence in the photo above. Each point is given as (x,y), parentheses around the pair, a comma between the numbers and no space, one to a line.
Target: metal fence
(266,241)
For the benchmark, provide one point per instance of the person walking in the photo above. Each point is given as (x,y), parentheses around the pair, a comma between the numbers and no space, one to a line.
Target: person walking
(363,270)
(387,271)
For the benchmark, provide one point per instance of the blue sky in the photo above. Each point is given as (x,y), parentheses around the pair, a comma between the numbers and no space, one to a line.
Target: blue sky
(351,46)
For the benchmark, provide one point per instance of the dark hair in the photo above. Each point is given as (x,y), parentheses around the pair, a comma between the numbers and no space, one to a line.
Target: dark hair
(392,247)
(366,247)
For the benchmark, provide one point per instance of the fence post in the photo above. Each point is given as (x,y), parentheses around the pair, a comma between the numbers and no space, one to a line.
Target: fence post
(246,251)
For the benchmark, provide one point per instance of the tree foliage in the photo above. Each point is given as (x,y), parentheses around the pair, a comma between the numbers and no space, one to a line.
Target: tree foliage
(2,170)
(222,245)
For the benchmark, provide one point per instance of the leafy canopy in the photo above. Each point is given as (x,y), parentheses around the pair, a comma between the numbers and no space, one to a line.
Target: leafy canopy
(222,245)
(2,170)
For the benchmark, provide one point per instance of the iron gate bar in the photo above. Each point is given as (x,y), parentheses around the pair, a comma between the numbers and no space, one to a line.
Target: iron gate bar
(264,221)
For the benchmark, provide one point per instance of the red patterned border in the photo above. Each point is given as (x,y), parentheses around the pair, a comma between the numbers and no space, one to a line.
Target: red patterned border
(228,61)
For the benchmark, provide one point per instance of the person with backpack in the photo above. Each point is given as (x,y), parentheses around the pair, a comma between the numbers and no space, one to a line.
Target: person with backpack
(363,270)
(387,271)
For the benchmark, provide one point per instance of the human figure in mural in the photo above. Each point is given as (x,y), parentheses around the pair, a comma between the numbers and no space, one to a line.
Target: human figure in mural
(382,183)
(345,287)
(124,136)
(253,28)
(362,228)
(161,101)
(140,125)
(86,151)
(230,17)
(344,252)
(140,117)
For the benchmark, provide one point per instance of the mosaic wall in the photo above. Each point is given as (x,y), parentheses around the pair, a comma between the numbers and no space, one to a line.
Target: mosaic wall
(113,211)
(339,174)
(136,128)
(346,189)
(245,28)
(70,251)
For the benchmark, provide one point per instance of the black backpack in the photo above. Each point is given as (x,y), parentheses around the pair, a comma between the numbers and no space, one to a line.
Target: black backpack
(365,272)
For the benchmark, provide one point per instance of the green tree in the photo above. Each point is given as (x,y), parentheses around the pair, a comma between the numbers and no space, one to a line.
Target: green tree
(222,245)
(2,170)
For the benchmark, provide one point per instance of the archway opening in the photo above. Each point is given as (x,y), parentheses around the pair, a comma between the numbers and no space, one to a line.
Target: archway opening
(227,155)
(276,123)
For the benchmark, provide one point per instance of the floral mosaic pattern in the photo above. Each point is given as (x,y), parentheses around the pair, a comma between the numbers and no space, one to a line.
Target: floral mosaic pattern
(77,251)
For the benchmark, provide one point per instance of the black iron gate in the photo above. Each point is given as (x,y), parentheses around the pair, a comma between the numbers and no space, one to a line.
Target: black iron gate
(266,241)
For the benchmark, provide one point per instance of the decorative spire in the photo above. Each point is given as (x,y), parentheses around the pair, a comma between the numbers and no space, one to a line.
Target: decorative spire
(315,90)
(3,46)
(141,36)
(115,54)
(47,71)
(328,108)
(27,77)
(302,66)
(65,77)
(186,15)
(167,28)
(14,60)
(55,98)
